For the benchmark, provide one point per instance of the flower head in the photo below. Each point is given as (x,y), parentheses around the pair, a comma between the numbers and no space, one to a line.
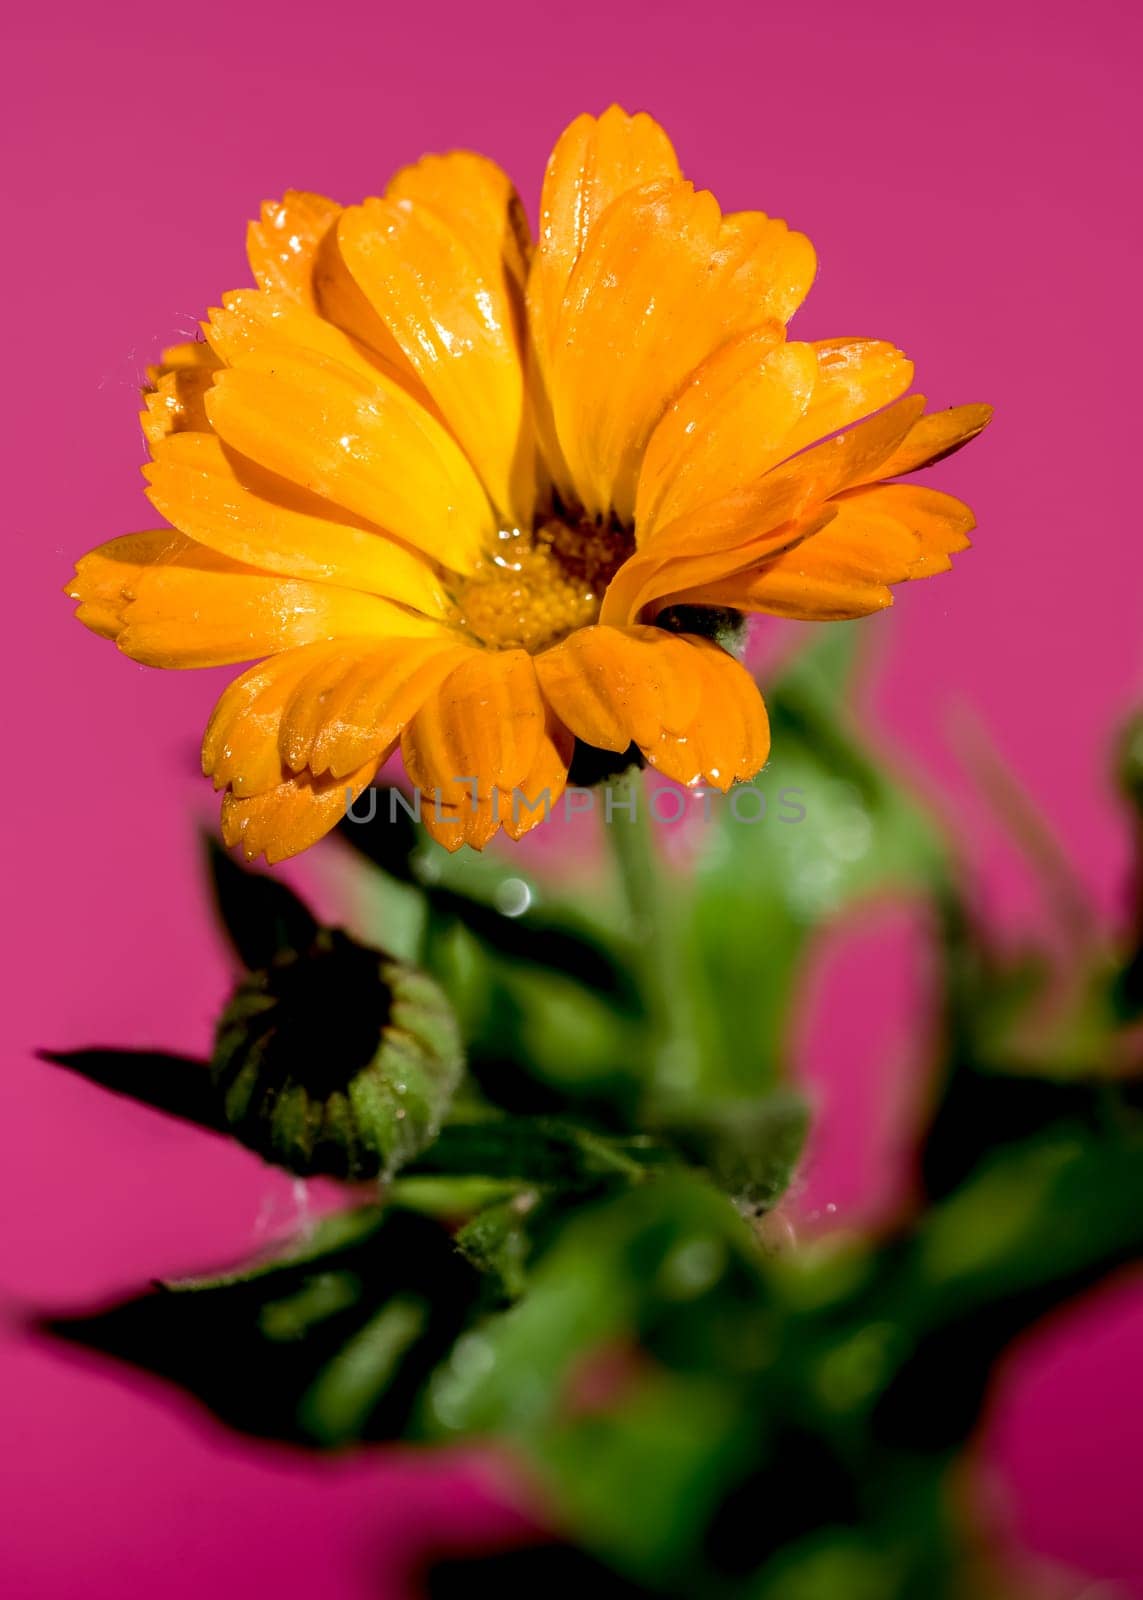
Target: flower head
(447,488)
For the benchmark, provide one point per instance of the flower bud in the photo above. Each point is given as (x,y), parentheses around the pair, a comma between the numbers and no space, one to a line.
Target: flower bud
(337,1060)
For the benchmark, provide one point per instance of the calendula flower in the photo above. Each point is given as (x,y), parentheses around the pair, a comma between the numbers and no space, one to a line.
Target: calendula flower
(445,486)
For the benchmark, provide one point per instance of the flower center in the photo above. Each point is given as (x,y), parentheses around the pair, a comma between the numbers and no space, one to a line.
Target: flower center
(539,586)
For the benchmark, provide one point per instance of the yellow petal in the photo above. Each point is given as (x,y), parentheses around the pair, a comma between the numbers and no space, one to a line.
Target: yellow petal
(289,818)
(933,438)
(107,579)
(253,325)
(456,314)
(726,426)
(772,509)
(477,199)
(236,507)
(613,687)
(364,444)
(283,244)
(171,603)
(341,302)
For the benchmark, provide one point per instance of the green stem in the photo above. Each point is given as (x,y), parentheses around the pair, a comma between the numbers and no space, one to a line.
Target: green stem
(652,918)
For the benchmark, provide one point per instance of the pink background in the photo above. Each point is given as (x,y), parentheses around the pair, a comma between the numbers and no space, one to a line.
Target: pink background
(966,173)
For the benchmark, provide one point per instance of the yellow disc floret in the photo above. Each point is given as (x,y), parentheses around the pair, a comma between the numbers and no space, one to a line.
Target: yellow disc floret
(538,587)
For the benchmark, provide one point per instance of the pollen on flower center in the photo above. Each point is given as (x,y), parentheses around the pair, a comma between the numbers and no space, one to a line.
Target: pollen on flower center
(538,586)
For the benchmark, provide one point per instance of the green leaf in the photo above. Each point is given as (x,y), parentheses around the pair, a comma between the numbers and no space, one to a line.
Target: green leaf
(339,1402)
(826,828)
(176,1085)
(263,917)
(640,1479)
(331,1343)
(539,939)
(655,1253)
(383,832)
(1027,1047)
(538,1150)
(489,896)
(749,1147)
(498,1240)
(538,1042)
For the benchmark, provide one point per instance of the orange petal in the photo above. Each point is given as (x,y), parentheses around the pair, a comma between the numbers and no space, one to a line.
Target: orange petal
(252,324)
(932,438)
(240,747)
(517,811)
(595,160)
(725,427)
(772,509)
(762,269)
(330,707)
(336,720)
(855,377)
(364,444)
(629,334)
(171,603)
(727,739)
(484,724)
(455,312)
(664,281)
(737,418)
(210,616)
(533,798)
(239,509)
(472,823)
(613,687)
(289,818)
(283,245)
(477,199)
(107,579)
(878,537)
(176,392)
(189,356)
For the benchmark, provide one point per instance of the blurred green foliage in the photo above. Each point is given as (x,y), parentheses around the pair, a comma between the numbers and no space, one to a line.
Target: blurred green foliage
(579,1261)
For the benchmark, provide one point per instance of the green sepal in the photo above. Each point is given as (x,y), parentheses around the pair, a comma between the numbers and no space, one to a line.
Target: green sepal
(337,1060)
(262,916)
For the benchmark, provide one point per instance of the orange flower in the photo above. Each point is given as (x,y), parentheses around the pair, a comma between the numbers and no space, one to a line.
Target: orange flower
(441,483)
